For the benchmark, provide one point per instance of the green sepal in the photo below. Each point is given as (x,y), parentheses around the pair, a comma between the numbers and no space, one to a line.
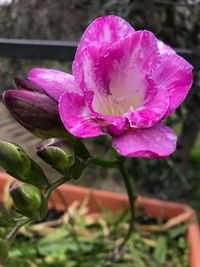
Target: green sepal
(77,169)
(41,213)
(35,176)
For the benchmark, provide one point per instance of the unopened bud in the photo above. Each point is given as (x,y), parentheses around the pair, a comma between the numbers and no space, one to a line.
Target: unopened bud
(13,158)
(17,163)
(26,197)
(37,112)
(27,85)
(59,154)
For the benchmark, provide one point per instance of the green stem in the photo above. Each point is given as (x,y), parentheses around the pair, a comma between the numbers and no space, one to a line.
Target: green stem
(104,163)
(129,187)
(132,197)
(10,237)
(55,185)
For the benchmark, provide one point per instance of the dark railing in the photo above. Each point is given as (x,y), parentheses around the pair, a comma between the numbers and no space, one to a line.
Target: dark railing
(63,50)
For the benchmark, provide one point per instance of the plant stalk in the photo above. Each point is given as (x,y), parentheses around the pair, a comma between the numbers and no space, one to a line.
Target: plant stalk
(119,164)
(132,197)
(104,163)
(10,237)
(55,185)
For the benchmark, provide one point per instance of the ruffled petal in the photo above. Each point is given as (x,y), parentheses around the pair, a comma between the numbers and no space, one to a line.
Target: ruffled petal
(156,142)
(117,73)
(114,125)
(174,75)
(76,117)
(103,29)
(108,28)
(165,49)
(53,82)
(151,113)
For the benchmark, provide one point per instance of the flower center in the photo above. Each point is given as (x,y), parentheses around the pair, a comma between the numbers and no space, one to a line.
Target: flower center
(126,90)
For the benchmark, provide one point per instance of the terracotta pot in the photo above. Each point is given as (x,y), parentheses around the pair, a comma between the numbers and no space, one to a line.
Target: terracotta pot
(97,199)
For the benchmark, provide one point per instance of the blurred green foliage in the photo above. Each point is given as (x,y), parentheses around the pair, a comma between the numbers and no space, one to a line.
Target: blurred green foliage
(90,240)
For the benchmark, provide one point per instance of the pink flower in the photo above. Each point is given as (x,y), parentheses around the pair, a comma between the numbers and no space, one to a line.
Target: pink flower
(124,83)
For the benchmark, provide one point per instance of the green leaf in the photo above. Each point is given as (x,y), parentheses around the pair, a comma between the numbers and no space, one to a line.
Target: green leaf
(179,230)
(52,247)
(160,251)
(56,235)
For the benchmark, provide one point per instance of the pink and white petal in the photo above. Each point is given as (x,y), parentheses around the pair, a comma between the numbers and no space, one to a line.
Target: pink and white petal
(117,73)
(114,125)
(156,142)
(165,49)
(151,113)
(76,117)
(128,64)
(175,76)
(108,28)
(53,82)
(103,29)
(85,73)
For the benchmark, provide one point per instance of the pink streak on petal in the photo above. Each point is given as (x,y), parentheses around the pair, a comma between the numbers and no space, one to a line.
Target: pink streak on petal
(115,125)
(89,60)
(165,49)
(175,76)
(107,28)
(76,117)
(119,71)
(151,113)
(118,129)
(53,82)
(156,142)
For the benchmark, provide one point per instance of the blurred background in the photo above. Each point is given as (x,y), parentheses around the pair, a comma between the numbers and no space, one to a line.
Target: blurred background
(176,22)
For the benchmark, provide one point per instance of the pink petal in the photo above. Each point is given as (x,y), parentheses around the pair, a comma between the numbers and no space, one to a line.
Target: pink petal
(151,113)
(165,49)
(156,142)
(103,29)
(108,28)
(175,76)
(117,73)
(76,116)
(115,125)
(53,82)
